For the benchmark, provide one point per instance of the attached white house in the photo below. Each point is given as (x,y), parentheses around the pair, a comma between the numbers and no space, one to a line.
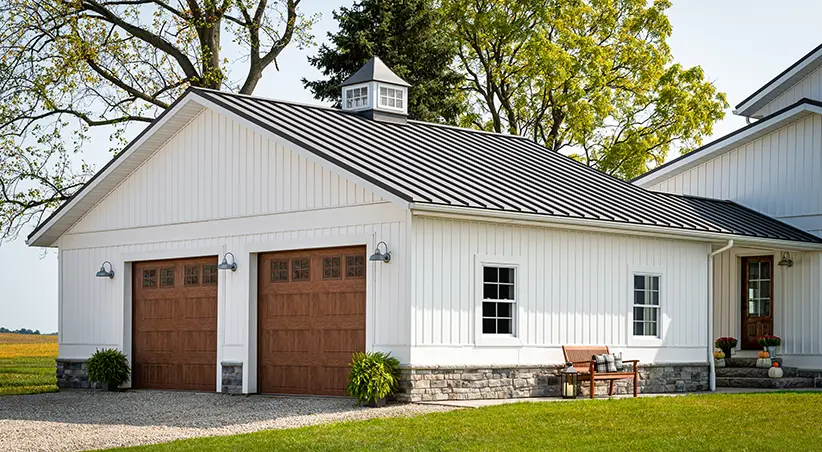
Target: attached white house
(773,166)
(251,245)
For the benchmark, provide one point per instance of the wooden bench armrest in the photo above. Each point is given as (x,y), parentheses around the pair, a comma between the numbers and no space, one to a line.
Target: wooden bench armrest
(635,361)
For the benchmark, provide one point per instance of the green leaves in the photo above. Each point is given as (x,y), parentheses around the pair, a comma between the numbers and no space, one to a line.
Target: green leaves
(374,375)
(411,38)
(109,366)
(595,77)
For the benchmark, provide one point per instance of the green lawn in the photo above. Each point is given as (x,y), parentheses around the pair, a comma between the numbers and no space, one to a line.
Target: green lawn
(771,421)
(27,364)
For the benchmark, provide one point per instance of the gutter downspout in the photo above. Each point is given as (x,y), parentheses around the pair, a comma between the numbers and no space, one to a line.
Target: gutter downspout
(712,372)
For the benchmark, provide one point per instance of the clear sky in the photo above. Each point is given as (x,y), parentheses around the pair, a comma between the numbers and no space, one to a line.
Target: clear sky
(741,44)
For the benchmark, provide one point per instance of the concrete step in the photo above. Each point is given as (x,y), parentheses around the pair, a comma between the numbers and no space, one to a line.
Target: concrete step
(771,383)
(752,372)
(746,362)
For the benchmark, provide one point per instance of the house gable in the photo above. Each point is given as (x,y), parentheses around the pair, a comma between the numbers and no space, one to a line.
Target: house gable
(799,80)
(215,168)
(778,174)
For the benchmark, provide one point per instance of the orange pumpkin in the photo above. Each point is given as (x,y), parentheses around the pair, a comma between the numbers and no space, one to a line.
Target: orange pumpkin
(764,354)
(775,364)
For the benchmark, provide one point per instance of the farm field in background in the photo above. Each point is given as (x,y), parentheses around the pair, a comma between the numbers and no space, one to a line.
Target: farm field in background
(27,363)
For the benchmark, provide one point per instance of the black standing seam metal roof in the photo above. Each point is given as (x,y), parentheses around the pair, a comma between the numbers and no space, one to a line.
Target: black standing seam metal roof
(434,164)
(441,165)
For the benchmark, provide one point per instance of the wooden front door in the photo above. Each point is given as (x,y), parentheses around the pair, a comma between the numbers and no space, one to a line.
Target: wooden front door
(311,313)
(175,324)
(757,300)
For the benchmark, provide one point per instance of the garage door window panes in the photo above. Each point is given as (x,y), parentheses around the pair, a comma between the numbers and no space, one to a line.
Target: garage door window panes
(498,300)
(167,277)
(279,270)
(210,275)
(150,278)
(332,267)
(192,277)
(300,269)
(354,266)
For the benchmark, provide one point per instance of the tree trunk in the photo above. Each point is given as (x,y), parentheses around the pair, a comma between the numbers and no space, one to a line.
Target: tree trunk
(212,74)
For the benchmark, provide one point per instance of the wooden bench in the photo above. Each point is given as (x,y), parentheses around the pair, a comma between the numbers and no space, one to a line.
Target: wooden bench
(580,357)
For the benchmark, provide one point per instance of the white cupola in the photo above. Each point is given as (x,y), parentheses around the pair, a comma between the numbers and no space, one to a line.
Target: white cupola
(377,93)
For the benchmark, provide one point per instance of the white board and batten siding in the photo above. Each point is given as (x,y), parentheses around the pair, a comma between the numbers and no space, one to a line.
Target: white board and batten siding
(574,288)
(778,174)
(809,87)
(216,187)
(797,303)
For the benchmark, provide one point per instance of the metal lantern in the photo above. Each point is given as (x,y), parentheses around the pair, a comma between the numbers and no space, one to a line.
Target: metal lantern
(569,384)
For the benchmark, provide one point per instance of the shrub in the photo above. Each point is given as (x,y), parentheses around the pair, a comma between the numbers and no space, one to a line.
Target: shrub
(108,366)
(373,376)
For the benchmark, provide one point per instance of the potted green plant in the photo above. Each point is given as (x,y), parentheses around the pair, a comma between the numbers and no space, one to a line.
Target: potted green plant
(769,343)
(374,377)
(109,367)
(726,344)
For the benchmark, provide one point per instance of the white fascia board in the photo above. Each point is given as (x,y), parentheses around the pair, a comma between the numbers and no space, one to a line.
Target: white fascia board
(728,142)
(302,152)
(129,151)
(750,106)
(530,219)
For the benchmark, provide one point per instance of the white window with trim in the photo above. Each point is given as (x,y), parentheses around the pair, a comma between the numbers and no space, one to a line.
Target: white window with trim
(393,98)
(647,317)
(499,299)
(356,98)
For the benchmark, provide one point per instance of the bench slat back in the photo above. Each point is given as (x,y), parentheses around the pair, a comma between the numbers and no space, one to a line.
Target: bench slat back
(577,353)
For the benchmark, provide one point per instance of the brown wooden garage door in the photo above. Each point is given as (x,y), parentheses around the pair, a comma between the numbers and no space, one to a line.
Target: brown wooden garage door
(175,324)
(311,319)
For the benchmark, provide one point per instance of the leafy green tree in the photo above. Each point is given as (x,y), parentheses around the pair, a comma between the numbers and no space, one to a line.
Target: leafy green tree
(408,36)
(70,65)
(594,76)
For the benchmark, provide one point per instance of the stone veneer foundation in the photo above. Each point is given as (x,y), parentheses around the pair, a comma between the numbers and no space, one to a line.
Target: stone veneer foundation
(437,383)
(232,381)
(73,373)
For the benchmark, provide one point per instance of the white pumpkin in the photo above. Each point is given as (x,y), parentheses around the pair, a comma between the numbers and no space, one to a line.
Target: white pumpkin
(775,372)
(763,362)
(719,362)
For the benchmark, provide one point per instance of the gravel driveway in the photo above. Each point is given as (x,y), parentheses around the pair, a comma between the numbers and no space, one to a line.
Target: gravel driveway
(78,420)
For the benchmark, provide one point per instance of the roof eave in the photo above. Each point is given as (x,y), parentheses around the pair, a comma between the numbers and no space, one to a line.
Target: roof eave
(49,231)
(779,84)
(524,218)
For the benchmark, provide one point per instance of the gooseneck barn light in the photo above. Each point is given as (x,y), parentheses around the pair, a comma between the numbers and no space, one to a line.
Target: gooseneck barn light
(379,256)
(106,274)
(786,260)
(224,265)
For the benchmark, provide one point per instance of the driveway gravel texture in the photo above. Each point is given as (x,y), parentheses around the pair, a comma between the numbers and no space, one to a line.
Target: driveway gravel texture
(84,419)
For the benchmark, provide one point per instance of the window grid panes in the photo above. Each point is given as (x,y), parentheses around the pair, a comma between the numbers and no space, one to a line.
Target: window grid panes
(150,278)
(392,98)
(498,300)
(192,275)
(332,267)
(279,270)
(356,97)
(167,277)
(354,266)
(209,274)
(300,269)
(646,305)
(759,289)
